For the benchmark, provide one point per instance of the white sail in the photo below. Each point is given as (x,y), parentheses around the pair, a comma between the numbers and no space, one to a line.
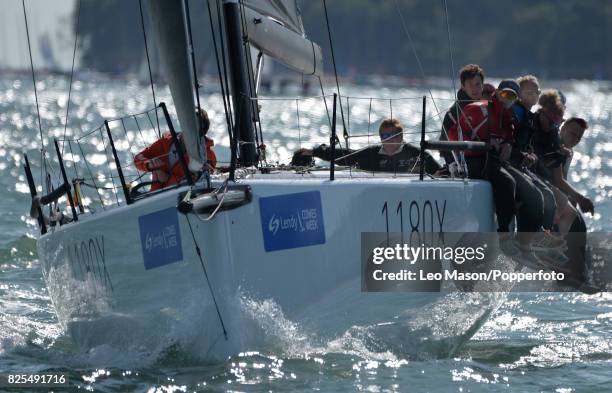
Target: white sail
(285,12)
(275,28)
(170,34)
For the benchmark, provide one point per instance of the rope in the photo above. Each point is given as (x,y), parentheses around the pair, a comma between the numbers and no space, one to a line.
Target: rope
(96,187)
(42,141)
(90,174)
(76,38)
(420,65)
(134,114)
(224,62)
(127,138)
(297,110)
(225,103)
(450,51)
(94,130)
(215,192)
(291,98)
(331,46)
(144,36)
(367,147)
(348,121)
(254,105)
(454,87)
(212,294)
(369,119)
(304,98)
(139,129)
(151,121)
(325,102)
(76,172)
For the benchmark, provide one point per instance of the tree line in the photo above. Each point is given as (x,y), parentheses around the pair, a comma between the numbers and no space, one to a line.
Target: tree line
(549,38)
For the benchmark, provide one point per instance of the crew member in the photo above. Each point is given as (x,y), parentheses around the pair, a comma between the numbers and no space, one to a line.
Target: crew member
(162,157)
(472,90)
(493,122)
(391,155)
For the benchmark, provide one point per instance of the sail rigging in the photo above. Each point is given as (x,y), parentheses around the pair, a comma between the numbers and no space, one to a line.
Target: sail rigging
(170,32)
(275,28)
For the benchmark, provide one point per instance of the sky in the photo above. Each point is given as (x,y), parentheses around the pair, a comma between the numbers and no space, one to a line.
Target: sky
(47,20)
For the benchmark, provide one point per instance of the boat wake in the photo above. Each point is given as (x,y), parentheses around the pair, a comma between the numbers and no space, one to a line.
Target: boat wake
(262,330)
(108,338)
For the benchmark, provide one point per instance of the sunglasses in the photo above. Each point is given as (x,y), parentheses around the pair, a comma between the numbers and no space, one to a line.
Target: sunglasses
(508,95)
(388,135)
(533,92)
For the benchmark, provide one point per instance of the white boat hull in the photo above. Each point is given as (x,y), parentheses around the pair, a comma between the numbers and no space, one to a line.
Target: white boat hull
(113,281)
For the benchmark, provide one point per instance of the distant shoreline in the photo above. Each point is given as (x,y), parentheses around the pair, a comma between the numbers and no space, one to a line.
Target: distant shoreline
(295,80)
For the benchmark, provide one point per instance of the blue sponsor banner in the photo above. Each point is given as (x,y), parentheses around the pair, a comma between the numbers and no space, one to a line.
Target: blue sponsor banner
(292,220)
(160,237)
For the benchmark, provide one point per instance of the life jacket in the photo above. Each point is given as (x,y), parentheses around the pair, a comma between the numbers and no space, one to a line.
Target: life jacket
(171,170)
(484,121)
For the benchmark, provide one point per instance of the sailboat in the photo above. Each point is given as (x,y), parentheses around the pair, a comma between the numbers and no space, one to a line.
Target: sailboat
(187,255)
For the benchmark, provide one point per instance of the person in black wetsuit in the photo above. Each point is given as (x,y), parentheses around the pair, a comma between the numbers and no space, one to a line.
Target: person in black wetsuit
(551,154)
(523,157)
(522,153)
(391,155)
(546,244)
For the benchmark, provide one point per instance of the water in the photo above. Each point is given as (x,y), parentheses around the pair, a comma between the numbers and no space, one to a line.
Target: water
(535,342)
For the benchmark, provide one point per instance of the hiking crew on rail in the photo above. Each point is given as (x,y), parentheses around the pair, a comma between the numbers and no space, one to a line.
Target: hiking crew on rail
(527,167)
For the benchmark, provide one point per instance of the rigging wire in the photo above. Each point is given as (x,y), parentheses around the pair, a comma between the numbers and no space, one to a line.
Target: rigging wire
(420,65)
(74,166)
(250,77)
(144,36)
(234,151)
(331,46)
(297,110)
(454,87)
(450,50)
(228,118)
(224,60)
(249,65)
(74,50)
(93,179)
(212,294)
(325,103)
(42,141)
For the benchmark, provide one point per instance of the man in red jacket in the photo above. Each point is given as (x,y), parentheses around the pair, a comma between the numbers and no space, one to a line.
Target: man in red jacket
(493,122)
(163,161)
(472,89)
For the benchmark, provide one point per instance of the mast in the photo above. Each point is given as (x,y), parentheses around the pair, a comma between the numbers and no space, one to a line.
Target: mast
(241,85)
